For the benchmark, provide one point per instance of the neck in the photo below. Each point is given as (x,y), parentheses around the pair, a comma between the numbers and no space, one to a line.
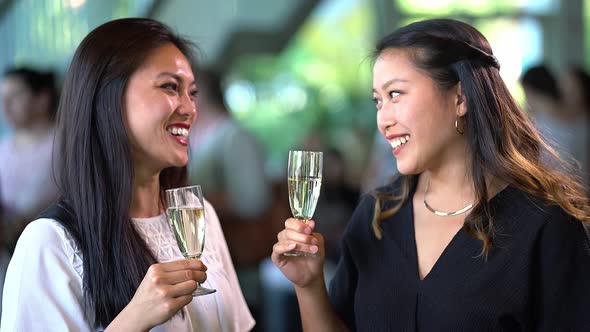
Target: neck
(449,180)
(451,188)
(448,187)
(146,196)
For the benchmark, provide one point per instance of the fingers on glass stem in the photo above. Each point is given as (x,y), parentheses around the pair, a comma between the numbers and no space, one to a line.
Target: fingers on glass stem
(310,248)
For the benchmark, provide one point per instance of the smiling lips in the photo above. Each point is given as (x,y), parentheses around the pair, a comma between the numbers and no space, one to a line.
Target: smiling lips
(398,142)
(179,132)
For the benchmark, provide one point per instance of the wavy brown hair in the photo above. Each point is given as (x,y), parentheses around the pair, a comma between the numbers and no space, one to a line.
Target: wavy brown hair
(502,141)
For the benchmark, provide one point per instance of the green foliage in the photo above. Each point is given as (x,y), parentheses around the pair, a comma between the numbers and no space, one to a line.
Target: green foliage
(318,85)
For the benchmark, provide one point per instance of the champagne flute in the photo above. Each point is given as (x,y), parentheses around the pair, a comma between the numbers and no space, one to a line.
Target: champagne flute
(186,214)
(304,174)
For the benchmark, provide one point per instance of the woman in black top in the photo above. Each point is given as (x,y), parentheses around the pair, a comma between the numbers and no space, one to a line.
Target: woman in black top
(478,232)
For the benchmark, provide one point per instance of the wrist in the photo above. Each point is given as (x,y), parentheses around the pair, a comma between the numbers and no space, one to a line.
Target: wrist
(316,285)
(127,320)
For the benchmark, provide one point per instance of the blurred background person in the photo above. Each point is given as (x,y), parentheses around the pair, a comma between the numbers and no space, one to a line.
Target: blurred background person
(29,100)
(574,83)
(558,119)
(542,93)
(229,164)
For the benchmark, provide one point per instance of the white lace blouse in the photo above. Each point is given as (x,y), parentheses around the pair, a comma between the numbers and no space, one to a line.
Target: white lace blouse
(43,287)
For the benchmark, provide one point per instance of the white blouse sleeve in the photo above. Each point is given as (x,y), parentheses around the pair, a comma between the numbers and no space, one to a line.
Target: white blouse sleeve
(43,287)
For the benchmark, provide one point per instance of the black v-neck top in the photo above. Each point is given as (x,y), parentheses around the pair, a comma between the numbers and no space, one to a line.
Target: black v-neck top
(536,278)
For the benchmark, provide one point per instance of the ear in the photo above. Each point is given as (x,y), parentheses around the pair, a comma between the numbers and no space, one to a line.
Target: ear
(460,101)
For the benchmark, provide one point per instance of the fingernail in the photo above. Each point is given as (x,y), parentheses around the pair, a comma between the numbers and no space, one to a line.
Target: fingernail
(307,230)
(291,245)
(314,241)
(313,249)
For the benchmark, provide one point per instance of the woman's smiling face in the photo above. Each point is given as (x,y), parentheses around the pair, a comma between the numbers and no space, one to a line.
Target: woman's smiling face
(159,109)
(413,114)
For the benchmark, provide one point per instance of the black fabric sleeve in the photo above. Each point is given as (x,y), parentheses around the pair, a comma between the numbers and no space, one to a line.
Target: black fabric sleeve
(561,276)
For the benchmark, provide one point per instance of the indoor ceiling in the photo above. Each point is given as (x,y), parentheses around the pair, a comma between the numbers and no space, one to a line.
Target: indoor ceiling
(226,29)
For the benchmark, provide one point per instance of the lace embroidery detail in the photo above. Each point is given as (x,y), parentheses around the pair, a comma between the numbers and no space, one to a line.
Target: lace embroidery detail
(213,240)
(158,236)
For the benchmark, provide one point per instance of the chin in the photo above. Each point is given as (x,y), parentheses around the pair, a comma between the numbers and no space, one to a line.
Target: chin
(180,161)
(408,170)
(181,164)
(409,173)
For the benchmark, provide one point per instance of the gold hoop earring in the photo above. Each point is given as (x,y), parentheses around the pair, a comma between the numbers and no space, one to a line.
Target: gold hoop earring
(460,132)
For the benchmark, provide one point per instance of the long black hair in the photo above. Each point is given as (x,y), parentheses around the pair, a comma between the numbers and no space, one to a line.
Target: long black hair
(502,141)
(95,171)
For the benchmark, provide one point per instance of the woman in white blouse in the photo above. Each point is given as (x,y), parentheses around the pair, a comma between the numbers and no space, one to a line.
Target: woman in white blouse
(112,263)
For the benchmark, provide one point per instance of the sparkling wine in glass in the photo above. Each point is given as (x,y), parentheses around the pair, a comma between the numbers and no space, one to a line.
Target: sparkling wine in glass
(304,174)
(186,214)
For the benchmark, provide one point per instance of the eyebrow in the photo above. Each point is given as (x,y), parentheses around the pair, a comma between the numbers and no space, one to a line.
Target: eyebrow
(390,82)
(176,77)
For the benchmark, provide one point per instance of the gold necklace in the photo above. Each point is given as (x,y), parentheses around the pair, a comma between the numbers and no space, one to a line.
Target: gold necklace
(442,213)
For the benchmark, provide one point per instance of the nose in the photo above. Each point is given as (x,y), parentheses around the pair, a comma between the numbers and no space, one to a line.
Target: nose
(187,107)
(386,120)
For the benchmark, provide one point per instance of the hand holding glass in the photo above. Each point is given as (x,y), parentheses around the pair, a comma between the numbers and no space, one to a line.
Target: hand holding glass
(186,214)
(305,179)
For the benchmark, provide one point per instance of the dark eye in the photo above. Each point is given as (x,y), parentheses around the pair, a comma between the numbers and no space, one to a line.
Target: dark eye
(194,93)
(394,94)
(377,102)
(170,86)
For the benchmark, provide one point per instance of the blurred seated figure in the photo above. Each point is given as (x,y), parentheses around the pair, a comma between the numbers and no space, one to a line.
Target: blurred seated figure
(27,185)
(556,118)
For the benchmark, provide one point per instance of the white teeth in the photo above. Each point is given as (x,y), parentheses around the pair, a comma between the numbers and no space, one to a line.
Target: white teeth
(399,141)
(183,132)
